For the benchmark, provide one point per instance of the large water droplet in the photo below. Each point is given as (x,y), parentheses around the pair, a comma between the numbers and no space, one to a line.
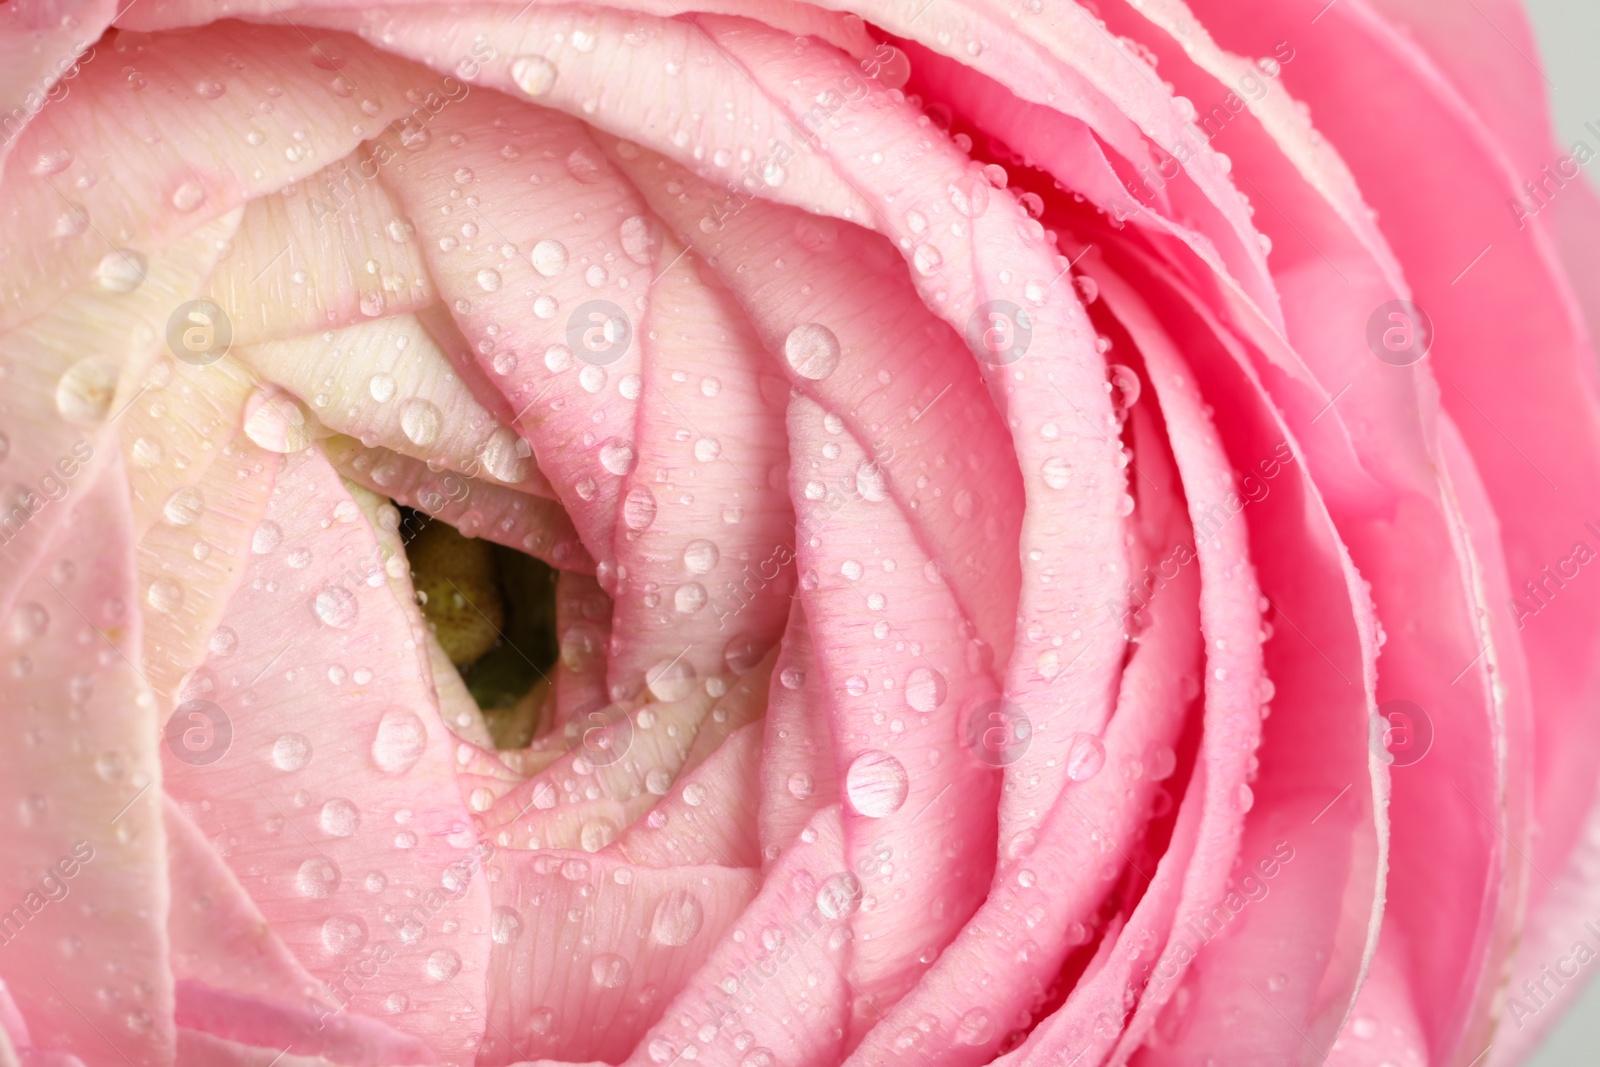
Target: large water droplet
(584,166)
(700,555)
(504,925)
(534,75)
(1085,756)
(812,351)
(639,508)
(400,741)
(122,270)
(443,963)
(290,752)
(184,507)
(801,785)
(276,421)
(975,1028)
(420,421)
(336,606)
(839,896)
(876,784)
(506,456)
(164,595)
(83,395)
(188,196)
(608,970)
(677,918)
(343,934)
(1056,473)
(29,622)
(489,279)
(340,817)
(870,482)
(641,237)
(549,257)
(381,386)
(671,679)
(617,456)
(317,878)
(925,689)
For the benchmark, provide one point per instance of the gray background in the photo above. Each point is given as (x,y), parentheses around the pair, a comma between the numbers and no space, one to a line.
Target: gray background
(1569,37)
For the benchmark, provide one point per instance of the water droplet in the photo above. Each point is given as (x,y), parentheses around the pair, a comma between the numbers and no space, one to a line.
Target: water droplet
(534,75)
(188,196)
(584,166)
(210,88)
(549,258)
(164,595)
(801,785)
(792,677)
(276,421)
(420,421)
(340,817)
(707,449)
(671,679)
(343,934)
(608,970)
(290,752)
(1056,473)
(268,535)
(677,918)
(29,622)
(1085,756)
(506,456)
(184,507)
(876,784)
(121,270)
(400,741)
(504,925)
(488,279)
(336,606)
(839,896)
(641,237)
(381,387)
(617,456)
(970,196)
(689,598)
(700,555)
(317,878)
(870,482)
(925,689)
(84,393)
(1125,388)
(975,1028)
(71,222)
(639,508)
(812,351)
(443,963)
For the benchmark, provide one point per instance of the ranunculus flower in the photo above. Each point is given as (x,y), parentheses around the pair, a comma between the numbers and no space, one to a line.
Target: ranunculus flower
(783,535)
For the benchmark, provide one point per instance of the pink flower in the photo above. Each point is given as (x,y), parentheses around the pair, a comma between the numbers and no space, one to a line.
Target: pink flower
(1052,552)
